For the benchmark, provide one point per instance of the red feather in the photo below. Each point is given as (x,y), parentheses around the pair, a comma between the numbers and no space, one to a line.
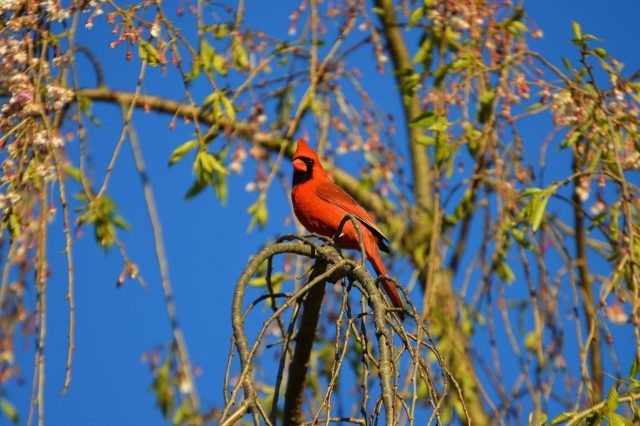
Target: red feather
(320,206)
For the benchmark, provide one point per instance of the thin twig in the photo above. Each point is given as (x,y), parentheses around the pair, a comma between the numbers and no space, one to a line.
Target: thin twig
(163,265)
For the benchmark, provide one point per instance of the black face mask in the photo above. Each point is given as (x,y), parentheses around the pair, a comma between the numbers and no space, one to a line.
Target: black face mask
(300,176)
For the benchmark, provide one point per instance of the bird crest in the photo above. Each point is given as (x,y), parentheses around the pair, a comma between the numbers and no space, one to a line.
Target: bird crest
(305,151)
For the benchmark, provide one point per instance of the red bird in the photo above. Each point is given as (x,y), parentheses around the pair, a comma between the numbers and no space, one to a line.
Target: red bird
(320,205)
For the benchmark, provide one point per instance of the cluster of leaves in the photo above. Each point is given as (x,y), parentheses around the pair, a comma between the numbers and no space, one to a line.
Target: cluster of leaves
(168,386)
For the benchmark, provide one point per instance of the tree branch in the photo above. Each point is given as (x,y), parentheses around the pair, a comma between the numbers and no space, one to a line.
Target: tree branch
(403,70)
(335,265)
(586,288)
(381,207)
(294,396)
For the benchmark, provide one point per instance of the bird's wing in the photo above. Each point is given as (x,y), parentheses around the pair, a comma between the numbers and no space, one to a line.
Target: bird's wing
(333,194)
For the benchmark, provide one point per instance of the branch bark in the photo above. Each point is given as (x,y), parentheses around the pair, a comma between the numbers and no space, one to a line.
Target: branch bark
(586,289)
(294,396)
(403,70)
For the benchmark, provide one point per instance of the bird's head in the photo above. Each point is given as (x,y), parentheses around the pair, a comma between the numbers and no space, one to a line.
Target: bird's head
(305,163)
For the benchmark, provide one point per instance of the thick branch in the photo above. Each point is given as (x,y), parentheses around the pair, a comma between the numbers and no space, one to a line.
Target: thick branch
(411,105)
(294,396)
(586,288)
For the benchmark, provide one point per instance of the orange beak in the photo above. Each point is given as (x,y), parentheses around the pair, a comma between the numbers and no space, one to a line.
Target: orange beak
(299,165)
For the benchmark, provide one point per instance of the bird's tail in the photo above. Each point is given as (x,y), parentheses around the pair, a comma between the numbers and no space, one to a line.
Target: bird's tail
(387,285)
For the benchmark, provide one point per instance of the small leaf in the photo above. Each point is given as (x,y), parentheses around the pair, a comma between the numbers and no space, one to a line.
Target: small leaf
(612,401)
(148,53)
(416,15)
(486,106)
(219,31)
(539,204)
(220,65)
(195,71)
(517,27)
(425,140)
(505,273)
(73,172)
(196,188)
(615,419)
(239,55)
(600,52)
(276,280)
(259,213)
(531,191)
(531,341)
(228,108)
(9,410)
(206,54)
(577,31)
(181,151)
(561,418)
(425,119)
(634,367)
(207,164)
(121,223)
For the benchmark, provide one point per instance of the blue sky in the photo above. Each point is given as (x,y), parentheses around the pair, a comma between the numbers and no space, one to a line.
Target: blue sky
(207,244)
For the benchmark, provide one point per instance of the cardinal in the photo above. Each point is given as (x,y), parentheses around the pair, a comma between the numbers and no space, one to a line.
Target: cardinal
(320,205)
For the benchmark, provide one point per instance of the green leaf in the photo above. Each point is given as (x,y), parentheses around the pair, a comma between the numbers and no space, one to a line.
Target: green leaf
(219,31)
(505,272)
(183,414)
(259,213)
(276,281)
(73,172)
(161,386)
(440,125)
(517,27)
(612,401)
(206,54)
(600,52)
(228,108)
(416,15)
(539,204)
(121,223)
(220,64)
(181,151)
(195,71)
(196,188)
(426,140)
(148,53)
(634,367)
(561,418)
(239,55)
(424,54)
(486,106)
(615,419)
(424,119)
(207,164)
(8,410)
(531,191)
(577,31)
(531,341)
